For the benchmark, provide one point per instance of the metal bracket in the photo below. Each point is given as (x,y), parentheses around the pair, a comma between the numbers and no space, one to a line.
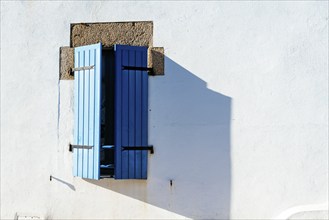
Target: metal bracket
(80,147)
(150,148)
(81,68)
(149,70)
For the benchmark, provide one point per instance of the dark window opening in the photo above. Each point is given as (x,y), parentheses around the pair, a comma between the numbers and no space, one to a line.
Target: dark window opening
(107,115)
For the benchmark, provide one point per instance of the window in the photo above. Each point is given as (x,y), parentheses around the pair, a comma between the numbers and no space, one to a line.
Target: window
(111,112)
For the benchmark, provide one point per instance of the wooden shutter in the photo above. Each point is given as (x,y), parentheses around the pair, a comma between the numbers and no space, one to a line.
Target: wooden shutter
(87,98)
(131,112)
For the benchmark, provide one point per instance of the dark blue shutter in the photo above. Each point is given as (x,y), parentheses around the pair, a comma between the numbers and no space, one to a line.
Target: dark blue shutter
(87,95)
(131,112)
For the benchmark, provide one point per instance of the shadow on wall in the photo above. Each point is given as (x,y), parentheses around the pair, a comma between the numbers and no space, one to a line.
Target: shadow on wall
(189,125)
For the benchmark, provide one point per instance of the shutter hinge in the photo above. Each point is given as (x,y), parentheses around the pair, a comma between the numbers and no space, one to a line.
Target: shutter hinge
(150,148)
(82,68)
(80,147)
(149,70)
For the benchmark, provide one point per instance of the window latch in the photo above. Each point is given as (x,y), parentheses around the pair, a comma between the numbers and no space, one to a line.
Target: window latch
(149,70)
(150,148)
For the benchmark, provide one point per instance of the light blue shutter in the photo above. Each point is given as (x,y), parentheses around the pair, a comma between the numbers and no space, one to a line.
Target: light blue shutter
(131,112)
(87,98)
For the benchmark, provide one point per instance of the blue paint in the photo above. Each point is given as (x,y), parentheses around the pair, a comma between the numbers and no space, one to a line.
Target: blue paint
(138,112)
(87,111)
(131,114)
(124,108)
(92,60)
(86,107)
(131,110)
(98,95)
(144,117)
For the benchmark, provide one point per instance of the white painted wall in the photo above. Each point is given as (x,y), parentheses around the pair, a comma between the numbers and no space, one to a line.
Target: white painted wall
(239,121)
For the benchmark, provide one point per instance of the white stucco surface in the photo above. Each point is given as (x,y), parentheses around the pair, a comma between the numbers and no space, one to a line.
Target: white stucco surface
(239,122)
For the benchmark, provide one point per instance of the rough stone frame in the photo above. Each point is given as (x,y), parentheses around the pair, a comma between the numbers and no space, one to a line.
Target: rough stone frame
(138,33)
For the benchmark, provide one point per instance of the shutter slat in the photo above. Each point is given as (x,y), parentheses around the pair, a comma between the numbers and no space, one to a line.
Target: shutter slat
(125,115)
(81,116)
(118,113)
(98,78)
(92,58)
(131,116)
(138,112)
(86,105)
(144,115)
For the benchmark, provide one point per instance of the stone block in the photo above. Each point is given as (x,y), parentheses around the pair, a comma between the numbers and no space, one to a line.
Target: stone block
(66,63)
(156,60)
(109,33)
